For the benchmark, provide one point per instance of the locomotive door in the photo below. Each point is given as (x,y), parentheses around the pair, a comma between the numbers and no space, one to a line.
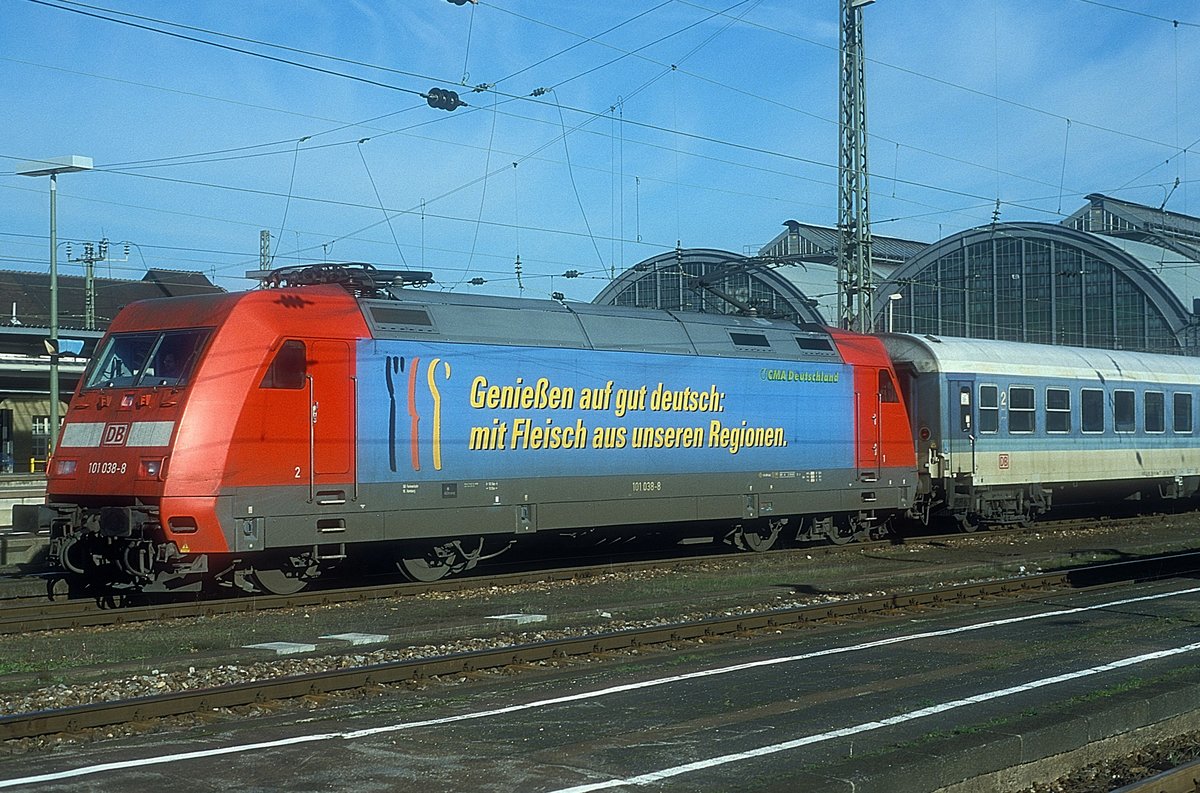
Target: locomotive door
(867,427)
(960,426)
(331,410)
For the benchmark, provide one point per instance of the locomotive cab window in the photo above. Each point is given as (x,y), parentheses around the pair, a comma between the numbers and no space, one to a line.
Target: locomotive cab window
(147,359)
(289,368)
(1124,417)
(173,358)
(887,387)
(989,408)
(1058,410)
(1154,403)
(1021,416)
(1092,410)
(1183,413)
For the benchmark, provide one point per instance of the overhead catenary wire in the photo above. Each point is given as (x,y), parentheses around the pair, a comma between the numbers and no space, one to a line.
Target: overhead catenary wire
(287,204)
(713,14)
(63,4)
(95,12)
(379,198)
(677,181)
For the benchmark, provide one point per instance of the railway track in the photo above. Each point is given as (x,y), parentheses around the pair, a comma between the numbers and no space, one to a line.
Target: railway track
(180,703)
(56,615)
(25,614)
(187,702)
(1183,779)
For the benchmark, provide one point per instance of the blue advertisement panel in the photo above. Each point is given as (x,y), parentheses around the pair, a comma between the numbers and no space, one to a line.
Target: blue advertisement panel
(466,411)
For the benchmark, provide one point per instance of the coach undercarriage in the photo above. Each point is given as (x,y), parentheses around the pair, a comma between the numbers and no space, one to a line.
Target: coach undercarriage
(977,507)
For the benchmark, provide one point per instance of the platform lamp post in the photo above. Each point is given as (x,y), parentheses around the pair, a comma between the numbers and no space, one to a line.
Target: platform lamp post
(892,298)
(52,168)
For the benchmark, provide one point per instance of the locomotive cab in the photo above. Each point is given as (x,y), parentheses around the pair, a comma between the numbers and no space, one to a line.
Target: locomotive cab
(107,475)
(196,416)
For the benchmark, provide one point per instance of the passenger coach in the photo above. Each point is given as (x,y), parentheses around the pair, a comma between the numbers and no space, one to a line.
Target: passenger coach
(1005,428)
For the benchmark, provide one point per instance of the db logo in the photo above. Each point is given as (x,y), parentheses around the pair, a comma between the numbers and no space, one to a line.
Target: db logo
(115,434)
(1004,462)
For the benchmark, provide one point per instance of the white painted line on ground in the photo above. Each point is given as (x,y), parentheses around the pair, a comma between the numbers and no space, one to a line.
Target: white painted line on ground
(412,725)
(713,762)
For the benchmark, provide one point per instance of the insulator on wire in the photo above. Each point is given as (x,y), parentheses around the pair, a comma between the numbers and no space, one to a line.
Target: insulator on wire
(443,99)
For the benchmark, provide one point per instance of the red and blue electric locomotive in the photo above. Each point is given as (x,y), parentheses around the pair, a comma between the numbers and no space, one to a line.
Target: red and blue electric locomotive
(259,439)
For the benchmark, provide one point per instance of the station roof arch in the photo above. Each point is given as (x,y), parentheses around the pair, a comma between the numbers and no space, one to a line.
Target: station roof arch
(1126,286)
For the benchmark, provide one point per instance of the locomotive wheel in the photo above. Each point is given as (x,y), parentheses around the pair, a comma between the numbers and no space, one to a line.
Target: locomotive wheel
(758,538)
(439,561)
(281,580)
(969,524)
(846,529)
(423,570)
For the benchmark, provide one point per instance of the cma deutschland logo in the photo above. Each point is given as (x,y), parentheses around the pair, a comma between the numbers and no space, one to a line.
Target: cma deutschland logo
(401,375)
(115,435)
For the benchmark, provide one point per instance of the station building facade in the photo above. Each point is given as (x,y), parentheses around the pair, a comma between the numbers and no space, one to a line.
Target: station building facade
(25,364)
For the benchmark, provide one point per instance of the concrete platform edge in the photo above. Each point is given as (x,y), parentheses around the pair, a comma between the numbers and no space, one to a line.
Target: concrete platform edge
(1037,748)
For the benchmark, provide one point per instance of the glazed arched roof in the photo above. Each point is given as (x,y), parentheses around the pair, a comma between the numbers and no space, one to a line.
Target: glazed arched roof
(787,281)
(1170,289)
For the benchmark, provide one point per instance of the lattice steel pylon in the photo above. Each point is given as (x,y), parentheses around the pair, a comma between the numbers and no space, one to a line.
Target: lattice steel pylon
(855,280)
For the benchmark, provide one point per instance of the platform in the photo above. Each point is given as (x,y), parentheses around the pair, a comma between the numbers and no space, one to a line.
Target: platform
(20,548)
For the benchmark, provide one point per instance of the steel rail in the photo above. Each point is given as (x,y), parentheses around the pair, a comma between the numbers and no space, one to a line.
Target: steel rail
(43,615)
(1183,779)
(82,717)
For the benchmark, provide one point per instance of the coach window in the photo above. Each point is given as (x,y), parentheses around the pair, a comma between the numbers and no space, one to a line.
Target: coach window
(1091,417)
(1020,409)
(1155,404)
(1183,413)
(989,408)
(289,368)
(1058,410)
(1124,419)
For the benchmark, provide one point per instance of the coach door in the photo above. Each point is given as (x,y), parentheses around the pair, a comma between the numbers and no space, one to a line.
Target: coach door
(960,430)
(331,411)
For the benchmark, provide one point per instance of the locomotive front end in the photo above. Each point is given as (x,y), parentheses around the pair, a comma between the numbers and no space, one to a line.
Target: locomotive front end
(107,477)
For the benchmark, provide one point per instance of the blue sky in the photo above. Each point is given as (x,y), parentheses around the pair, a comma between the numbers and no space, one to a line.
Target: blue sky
(696,122)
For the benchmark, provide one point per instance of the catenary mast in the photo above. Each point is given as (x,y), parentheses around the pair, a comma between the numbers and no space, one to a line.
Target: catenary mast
(855,285)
